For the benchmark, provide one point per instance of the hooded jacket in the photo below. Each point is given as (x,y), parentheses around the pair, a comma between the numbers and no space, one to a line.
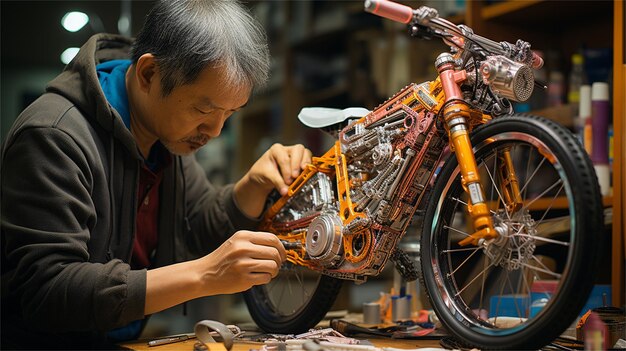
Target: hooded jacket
(70,172)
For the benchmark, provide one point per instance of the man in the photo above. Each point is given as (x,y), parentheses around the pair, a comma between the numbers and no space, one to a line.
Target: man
(106,216)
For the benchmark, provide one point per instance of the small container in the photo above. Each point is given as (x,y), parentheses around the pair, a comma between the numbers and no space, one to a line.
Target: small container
(400,308)
(371,313)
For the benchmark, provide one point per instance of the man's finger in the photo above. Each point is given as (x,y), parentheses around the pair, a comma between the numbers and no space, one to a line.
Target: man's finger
(259,278)
(307,158)
(296,153)
(264,266)
(270,240)
(268,253)
(282,160)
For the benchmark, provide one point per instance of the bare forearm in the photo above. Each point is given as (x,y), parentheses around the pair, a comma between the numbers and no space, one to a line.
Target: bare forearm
(171,285)
(250,199)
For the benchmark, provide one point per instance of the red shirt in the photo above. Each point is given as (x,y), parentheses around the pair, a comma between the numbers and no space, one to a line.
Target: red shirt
(146,235)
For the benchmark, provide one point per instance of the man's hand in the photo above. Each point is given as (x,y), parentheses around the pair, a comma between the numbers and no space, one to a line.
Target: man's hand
(276,169)
(244,260)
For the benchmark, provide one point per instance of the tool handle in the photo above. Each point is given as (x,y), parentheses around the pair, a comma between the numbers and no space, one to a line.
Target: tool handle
(347,328)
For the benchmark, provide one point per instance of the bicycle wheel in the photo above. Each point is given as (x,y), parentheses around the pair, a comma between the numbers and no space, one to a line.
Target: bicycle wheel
(293,302)
(482,293)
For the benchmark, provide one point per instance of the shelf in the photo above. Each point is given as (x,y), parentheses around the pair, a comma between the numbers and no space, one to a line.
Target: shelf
(561,203)
(506,7)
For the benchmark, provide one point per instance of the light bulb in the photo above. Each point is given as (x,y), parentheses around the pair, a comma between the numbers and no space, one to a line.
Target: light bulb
(74,21)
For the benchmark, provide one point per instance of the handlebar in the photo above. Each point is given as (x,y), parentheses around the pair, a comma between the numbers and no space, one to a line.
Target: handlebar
(429,18)
(537,61)
(391,10)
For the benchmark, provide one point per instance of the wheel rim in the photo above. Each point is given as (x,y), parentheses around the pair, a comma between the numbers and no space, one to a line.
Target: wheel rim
(511,263)
(291,291)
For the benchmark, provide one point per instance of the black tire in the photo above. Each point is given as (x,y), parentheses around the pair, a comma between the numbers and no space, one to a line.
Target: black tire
(293,302)
(461,280)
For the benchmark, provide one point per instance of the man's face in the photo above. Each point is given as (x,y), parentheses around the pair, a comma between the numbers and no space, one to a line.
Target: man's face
(192,114)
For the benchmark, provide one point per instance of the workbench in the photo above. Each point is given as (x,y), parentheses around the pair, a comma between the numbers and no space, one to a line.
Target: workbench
(187,345)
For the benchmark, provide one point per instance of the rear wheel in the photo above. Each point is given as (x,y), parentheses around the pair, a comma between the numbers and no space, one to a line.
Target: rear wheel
(482,293)
(293,302)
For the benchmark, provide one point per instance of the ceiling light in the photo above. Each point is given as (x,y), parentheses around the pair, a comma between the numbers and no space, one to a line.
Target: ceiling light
(68,55)
(74,21)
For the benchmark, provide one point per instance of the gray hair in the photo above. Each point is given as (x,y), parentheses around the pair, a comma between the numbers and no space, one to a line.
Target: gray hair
(186,36)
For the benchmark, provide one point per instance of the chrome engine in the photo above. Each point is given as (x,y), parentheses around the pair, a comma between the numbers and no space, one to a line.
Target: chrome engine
(316,195)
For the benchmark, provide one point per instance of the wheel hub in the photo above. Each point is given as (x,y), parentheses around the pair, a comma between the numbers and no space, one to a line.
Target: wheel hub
(515,244)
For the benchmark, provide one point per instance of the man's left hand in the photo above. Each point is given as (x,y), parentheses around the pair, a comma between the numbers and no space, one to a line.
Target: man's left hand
(276,169)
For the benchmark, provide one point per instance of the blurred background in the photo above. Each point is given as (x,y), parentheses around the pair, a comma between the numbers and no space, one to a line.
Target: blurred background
(324,53)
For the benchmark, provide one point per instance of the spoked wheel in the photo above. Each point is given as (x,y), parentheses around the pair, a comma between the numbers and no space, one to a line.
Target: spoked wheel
(482,293)
(293,302)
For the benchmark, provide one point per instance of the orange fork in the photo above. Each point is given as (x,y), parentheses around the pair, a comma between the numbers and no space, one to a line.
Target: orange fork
(456,114)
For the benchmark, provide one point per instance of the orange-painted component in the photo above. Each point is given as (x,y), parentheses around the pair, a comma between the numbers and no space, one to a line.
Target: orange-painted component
(324,164)
(362,240)
(331,162)
(457,116)
(509,181)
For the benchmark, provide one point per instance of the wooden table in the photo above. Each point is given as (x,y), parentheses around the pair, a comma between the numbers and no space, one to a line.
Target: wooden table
(187,345)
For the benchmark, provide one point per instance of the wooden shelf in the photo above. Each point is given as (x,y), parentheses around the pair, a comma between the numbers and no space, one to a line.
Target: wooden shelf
(561,203)
(541,13)
(506,7)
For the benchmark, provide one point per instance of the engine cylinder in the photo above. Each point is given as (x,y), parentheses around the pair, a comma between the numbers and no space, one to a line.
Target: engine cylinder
(509,79)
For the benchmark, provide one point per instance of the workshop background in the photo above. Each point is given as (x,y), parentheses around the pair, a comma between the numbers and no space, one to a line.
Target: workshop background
(332,54)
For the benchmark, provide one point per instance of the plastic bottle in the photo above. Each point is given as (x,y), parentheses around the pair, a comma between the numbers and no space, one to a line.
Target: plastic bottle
(611,145)
(555,88)
(584,115)
(600,120)
(576,79)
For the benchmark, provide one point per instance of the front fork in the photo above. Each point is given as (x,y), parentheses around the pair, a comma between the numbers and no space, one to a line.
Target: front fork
(456,115)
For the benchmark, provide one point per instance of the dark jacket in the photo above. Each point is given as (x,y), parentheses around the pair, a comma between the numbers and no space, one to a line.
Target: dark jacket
(69,173)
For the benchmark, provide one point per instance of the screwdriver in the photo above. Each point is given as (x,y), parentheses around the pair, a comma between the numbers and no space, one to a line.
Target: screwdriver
(291,245)
(347,328)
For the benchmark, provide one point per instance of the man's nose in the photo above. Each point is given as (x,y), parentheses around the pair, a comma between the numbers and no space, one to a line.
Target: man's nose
(212,128)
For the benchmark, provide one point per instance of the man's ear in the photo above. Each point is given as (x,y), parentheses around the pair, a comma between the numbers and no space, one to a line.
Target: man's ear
(146,71)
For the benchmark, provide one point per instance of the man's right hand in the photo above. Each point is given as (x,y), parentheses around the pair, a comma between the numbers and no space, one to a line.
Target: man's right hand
(244,260)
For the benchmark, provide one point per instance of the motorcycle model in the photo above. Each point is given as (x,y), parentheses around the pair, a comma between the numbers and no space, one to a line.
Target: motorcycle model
(504,200)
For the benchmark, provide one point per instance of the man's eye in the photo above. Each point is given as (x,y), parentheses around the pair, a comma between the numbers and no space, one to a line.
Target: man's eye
(204,112)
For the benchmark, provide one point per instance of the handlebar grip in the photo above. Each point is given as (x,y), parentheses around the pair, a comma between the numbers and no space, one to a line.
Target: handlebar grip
(389,9)
(537,61)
